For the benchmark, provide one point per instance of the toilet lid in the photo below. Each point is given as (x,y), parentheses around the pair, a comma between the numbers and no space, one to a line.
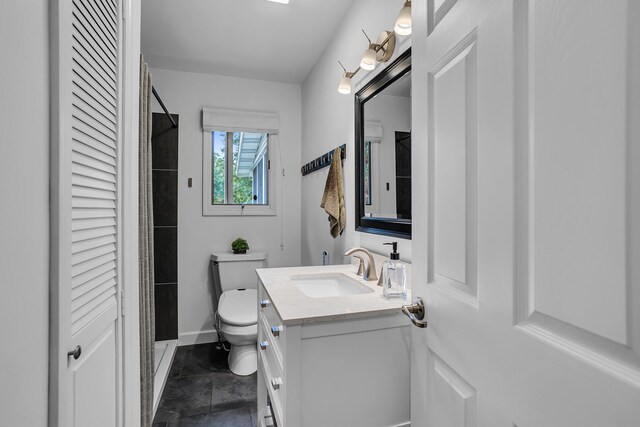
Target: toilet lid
(239,307)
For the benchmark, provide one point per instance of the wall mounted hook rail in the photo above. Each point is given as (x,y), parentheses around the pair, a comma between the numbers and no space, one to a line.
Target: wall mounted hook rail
(322,161)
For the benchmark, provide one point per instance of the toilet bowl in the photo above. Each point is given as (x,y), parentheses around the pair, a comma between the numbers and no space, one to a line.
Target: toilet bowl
(239,326)
(236,283)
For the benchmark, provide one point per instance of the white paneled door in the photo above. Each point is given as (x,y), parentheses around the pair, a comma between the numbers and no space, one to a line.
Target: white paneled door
(86,329)
(527,215)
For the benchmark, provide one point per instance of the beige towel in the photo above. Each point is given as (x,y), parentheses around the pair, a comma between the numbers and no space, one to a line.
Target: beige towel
(333,197)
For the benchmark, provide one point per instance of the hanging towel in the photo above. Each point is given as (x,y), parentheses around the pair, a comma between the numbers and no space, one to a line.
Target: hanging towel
(333,197)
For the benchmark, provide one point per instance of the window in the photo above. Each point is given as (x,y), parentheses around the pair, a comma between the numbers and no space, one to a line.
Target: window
(239,178)
(238,173)
(367,173)
(237,167)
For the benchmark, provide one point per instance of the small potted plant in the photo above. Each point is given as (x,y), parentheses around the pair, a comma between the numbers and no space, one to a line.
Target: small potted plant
(239,246)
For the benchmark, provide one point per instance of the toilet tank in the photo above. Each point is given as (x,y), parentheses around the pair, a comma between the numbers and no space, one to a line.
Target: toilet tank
(238,271)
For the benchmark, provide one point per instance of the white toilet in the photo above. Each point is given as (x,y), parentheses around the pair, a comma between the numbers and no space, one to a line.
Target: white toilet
(236,284)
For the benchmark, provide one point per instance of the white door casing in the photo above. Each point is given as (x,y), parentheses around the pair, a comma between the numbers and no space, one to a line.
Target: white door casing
(526,226)
(86,213)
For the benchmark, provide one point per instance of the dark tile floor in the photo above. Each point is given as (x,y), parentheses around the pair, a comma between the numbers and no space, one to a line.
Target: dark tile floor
(202,391)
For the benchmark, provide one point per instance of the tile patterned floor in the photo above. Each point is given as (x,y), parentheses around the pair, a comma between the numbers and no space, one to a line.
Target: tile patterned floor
(201,391)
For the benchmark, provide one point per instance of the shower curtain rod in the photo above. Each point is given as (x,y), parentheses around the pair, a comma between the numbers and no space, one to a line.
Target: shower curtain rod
(173,123)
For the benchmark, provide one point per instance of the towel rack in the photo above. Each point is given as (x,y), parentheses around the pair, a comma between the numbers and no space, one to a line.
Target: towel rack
(322,161)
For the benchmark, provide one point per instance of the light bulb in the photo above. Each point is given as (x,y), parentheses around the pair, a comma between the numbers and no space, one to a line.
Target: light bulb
(345,84)
(403,23)
(368,61)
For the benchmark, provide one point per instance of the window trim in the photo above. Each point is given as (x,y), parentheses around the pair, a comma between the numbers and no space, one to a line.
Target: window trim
(374,168)
(209,209)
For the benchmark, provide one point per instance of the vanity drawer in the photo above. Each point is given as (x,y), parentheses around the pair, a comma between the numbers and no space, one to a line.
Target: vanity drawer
(273,323)
(266,307)
(273,376)
(276,337)
(274,345)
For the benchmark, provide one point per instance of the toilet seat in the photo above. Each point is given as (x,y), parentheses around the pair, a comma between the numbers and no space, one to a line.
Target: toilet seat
(237,307)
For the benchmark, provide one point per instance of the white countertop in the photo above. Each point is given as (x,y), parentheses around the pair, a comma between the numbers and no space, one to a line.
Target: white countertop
(295,308)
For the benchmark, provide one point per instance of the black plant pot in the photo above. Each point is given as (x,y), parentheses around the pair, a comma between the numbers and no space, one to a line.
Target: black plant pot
(243,251)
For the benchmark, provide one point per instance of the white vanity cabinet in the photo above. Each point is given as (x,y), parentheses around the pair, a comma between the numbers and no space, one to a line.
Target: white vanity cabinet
(332,371)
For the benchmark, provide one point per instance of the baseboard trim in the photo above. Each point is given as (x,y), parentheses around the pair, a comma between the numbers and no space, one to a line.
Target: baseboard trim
(197,337)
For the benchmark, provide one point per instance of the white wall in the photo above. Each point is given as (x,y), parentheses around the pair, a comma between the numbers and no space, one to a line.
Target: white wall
(24,212)
(328,121)
(186,94)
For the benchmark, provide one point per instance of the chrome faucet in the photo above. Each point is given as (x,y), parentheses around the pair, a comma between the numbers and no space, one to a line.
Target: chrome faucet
(370,269)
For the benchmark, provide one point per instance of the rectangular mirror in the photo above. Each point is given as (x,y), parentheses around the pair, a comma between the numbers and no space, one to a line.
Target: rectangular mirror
(383,152)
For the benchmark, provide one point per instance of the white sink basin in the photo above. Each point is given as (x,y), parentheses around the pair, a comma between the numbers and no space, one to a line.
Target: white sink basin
(329,285)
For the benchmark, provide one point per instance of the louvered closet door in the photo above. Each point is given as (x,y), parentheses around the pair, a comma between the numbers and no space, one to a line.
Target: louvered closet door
(88,213)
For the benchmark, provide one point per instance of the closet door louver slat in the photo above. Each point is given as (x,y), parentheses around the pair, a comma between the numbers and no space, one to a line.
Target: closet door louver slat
(92,133)
(88,151)
(92,34)
(105,14)
(93,213)
(95,252)
(95,282)
(94,156)
(96,71)
(95,111)
(86,166)
(94,122)
(88,280)
(105,31)
(90,244)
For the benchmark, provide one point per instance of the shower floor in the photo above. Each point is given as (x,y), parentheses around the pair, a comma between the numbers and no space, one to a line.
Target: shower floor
(164,352)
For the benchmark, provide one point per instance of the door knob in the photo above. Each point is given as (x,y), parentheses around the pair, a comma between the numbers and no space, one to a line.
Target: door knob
(76,352)
(415,312)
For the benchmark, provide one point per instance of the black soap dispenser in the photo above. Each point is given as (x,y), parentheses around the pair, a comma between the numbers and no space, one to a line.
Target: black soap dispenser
(394,276)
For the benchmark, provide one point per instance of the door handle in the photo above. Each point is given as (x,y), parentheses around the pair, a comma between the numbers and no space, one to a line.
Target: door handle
(415,312)
(76,352)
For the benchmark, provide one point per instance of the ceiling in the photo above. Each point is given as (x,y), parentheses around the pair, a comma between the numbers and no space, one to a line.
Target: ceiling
(256,39)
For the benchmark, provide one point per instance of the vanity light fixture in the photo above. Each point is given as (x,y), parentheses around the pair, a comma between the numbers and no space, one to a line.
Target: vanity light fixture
(345,82)
(381,50)
(403,23)
(280,1)
(368,61)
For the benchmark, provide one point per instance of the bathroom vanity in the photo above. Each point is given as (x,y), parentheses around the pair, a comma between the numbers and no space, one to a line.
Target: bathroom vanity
(332,351)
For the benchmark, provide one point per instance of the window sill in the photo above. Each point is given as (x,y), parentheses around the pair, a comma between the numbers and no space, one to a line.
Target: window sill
(238,210)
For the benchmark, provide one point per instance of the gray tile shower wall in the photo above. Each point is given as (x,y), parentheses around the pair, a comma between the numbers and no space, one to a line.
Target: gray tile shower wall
(165,196)
(164,141)
(165,245)
(166,298)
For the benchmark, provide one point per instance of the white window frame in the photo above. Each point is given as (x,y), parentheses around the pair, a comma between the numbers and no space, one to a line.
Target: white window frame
(374,168)
(373,133)
(210,209)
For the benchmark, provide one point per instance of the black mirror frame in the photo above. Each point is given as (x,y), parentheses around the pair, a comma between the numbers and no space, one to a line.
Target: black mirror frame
(392,227)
